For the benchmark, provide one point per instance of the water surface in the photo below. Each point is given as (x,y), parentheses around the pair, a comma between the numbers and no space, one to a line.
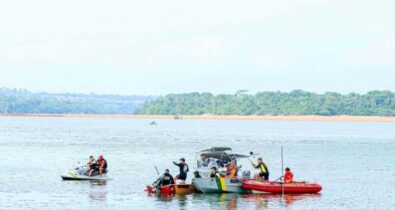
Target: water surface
(354,161)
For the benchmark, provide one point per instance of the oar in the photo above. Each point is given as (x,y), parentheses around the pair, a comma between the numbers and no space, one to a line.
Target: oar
(156,170)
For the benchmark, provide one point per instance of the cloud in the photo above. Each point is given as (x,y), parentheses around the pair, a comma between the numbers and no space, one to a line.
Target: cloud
(377,54)
(192,50)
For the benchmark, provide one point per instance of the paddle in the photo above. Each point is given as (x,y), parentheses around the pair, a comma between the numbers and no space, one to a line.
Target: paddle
(156,170)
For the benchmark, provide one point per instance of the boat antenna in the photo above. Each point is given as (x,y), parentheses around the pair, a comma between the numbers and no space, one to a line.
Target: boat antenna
(282,169)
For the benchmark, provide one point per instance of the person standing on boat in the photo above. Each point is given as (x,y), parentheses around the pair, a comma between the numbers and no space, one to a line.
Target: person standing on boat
(264,174)
(184,169)
(288,176)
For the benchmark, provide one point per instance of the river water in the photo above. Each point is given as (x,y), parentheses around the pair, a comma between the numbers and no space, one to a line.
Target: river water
(354,161)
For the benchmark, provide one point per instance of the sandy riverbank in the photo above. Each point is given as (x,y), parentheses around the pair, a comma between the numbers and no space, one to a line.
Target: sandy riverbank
(222,117)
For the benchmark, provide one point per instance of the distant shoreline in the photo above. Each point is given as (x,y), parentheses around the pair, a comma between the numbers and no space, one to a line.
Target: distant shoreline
(343,118)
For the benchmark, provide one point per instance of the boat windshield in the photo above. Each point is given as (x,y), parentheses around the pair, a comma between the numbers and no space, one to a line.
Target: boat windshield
(217,157)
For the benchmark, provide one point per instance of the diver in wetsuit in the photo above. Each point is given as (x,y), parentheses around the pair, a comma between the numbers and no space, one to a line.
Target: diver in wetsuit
(264,174)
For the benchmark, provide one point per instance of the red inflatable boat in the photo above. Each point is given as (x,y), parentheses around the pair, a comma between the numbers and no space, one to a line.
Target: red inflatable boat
(277,187)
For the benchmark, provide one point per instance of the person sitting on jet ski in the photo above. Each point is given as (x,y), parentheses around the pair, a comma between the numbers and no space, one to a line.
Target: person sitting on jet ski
(91,162)
(101,166)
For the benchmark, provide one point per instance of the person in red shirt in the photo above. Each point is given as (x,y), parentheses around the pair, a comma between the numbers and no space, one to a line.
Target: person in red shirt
(102,164)
(288,176)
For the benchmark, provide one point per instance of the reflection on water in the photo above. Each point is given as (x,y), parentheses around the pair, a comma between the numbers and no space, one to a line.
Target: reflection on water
(97,191)
(232,201)
(263,200)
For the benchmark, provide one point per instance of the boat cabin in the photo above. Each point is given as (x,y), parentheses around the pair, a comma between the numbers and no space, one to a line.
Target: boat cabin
(218,157)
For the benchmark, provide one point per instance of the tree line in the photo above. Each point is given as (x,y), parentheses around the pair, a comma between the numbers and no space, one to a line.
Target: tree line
(23,101)
(297,102)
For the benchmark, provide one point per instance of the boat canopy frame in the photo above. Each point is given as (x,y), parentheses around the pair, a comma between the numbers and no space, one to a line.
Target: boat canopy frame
(220,153)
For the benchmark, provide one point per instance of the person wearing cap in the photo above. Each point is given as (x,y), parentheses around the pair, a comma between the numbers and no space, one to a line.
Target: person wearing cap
(264,174)
(183,170)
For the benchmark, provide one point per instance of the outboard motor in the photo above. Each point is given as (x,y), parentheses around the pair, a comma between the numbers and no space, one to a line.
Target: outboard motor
(246,175)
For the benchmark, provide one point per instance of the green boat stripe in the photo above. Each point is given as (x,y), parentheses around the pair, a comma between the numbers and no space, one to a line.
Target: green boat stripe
(218,181)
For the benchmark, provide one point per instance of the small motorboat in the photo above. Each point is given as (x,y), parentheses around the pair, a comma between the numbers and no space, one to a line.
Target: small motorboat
(80,173)
(219,185)
(172,189)
(279,187)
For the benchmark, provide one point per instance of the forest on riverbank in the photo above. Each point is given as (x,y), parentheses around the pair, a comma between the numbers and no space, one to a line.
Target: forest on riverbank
(297,102)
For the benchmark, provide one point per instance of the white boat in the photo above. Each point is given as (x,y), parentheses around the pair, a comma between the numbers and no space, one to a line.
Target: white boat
(219,185)
(82,173)
(219,157)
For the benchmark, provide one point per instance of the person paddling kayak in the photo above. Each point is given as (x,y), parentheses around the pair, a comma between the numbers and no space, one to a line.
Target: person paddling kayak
(264,174)
(184,169)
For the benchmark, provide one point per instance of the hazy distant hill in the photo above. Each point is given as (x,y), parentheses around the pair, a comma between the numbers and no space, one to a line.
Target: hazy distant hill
(297,102)
(23,101)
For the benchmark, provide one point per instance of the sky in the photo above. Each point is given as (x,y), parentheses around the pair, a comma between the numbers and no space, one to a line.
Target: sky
(160,47)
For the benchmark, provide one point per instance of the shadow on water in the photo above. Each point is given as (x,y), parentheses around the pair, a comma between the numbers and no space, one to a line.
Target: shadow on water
(234,200)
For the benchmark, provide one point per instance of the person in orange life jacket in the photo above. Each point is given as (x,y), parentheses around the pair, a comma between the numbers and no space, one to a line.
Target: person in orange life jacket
(231,171)
(264,171)
(288,176)
(184,169)
(213,172)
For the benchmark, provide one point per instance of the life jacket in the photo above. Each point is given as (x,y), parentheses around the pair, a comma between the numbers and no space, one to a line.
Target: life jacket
(185,168)
(231,171)
(167,179)
(263,168)
(288,177)
(102,163)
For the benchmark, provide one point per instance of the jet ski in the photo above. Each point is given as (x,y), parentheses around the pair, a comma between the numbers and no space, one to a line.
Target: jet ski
(80,173)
